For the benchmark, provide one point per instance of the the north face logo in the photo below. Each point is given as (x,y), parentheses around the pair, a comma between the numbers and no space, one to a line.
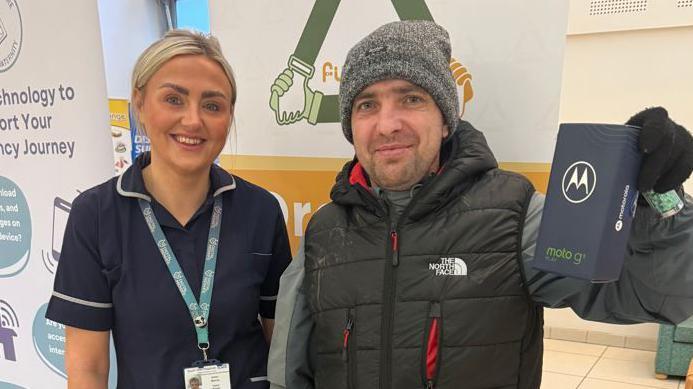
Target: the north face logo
(449,267)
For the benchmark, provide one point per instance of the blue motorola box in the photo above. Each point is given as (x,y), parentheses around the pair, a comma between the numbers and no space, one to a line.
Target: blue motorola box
(590,202)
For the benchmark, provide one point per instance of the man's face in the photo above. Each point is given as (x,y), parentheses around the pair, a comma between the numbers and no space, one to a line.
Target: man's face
(398,129)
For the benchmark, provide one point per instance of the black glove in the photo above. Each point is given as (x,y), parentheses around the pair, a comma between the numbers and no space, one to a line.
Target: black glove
(667,151)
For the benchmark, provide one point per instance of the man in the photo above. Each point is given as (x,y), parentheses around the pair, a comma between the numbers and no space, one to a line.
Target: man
(360,308)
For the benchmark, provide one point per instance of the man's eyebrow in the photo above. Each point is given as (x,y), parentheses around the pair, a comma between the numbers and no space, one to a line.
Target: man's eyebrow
(364,95)
(408,89)
(402,90)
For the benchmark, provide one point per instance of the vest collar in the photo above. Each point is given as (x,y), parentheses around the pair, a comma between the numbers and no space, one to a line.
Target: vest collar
(465,157)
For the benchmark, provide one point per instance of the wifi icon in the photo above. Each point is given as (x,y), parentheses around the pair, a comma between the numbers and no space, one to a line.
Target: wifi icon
(8,318)
(8,324)
(49,262)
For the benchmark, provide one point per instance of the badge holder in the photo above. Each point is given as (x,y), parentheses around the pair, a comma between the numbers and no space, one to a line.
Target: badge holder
(207,373)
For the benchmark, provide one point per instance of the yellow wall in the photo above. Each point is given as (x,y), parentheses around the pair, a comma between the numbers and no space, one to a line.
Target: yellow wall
(303,184)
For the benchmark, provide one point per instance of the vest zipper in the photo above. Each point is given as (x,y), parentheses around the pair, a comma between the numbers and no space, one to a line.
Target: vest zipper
(347,333)
(431,356)
(349,349)
(389,308)
(394,240)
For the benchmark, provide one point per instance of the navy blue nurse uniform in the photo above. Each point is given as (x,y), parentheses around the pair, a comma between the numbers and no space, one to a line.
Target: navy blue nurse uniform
(111,276)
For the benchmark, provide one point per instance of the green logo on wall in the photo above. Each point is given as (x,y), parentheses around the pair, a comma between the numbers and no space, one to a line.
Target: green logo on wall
(318,108)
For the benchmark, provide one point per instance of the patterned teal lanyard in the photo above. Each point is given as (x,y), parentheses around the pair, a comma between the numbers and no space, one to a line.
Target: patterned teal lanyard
(198,312)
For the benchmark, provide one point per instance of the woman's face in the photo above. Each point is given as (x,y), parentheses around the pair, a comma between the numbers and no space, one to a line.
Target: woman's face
(186,110)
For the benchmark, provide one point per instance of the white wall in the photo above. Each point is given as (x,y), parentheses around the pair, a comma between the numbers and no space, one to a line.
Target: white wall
(127,28)
(609,76)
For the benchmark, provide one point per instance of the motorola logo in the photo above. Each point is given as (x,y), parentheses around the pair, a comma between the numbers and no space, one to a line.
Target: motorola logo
(579,181)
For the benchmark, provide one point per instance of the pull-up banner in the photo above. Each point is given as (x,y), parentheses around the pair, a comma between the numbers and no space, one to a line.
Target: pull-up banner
(54,143)
(288,57)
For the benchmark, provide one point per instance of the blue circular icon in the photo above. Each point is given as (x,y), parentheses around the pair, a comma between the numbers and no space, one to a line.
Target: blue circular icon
(49,342)
(7,385)
(15,228)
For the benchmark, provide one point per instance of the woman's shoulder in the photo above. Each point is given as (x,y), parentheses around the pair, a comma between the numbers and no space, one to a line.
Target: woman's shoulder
(254,191)
(251,196)
(92,198)
(222,178)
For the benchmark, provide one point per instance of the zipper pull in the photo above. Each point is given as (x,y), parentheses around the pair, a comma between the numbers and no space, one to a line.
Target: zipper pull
(433,345)
(394,239)
(347,333)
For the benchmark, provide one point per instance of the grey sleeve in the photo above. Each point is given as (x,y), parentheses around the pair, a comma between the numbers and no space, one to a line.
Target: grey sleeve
(289,363)
(656,283)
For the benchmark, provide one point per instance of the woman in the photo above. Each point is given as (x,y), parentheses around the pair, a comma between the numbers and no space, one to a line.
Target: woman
(139,251)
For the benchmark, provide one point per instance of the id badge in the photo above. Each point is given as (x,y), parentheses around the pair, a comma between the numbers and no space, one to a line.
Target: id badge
(211,376)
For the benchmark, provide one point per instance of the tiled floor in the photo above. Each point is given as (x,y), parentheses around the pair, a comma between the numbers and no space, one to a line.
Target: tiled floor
(571,365)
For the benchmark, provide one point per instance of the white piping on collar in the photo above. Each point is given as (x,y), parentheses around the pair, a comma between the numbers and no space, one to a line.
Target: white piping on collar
(122,192)
(225,188)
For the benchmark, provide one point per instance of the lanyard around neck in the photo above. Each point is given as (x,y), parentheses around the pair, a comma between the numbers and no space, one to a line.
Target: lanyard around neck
(198,311)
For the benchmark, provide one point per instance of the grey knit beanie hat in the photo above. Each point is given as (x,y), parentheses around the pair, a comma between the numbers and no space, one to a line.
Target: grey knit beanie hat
(413,50)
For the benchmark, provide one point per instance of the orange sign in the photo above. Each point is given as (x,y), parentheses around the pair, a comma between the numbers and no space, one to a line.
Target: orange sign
(302,185)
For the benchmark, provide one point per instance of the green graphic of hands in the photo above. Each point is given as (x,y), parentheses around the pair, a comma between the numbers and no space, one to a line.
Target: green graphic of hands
(317,107)
(282,84)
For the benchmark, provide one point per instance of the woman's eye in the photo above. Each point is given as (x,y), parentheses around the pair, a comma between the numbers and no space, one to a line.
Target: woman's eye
(175,100)
(214,107)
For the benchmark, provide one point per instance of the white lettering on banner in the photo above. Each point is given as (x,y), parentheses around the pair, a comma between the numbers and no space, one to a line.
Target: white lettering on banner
(8,193)
(57,338)
(300,211)
(10,237)
(56,350)
(52,323)
(10,223)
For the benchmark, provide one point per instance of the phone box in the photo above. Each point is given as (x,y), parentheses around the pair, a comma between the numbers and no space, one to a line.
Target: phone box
(590,202)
